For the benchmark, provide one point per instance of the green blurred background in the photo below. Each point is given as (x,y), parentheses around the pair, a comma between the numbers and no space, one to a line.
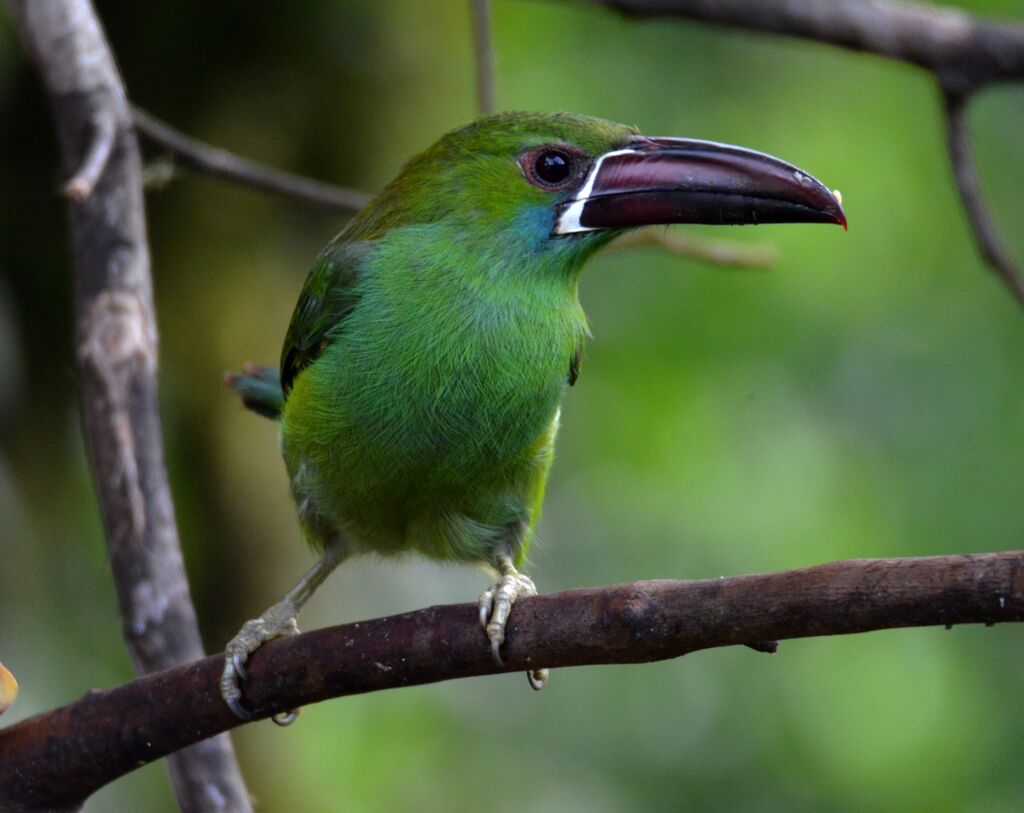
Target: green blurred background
(864,397)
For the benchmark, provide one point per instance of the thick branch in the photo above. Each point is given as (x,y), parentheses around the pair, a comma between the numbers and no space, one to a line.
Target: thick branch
(116,351)
(60,757)
(196,155)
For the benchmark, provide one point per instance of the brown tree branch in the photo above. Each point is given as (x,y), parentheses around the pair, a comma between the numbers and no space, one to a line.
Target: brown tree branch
(56,759)
(116,352)
(196,155)
(480,10)
(964,52)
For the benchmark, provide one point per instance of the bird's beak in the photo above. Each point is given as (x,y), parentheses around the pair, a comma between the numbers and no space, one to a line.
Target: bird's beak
(680,180)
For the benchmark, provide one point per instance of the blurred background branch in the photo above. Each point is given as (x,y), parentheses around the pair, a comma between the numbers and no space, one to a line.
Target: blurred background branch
(62,756)
(480,11)
(965,173)
(965,54)
(716,252)
(194,154)
(117,365)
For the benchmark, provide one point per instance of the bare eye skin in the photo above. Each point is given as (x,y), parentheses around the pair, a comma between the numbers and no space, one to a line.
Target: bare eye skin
(552,167)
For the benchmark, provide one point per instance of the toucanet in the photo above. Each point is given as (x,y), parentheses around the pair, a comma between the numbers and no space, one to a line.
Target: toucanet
(420,380)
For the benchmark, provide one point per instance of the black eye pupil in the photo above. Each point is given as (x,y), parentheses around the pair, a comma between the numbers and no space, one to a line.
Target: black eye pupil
(552,167)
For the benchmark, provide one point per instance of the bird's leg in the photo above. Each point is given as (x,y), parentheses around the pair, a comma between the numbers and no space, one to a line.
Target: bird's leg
(496,605)
(278,620)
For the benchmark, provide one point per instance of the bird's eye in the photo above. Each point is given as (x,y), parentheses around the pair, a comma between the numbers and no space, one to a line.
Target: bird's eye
(552,166)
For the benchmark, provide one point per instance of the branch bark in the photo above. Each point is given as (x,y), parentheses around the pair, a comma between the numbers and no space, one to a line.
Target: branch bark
(117,360)
(56,759)
(964,53)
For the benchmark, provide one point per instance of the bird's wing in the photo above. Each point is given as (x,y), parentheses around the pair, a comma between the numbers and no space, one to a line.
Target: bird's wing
(329,295)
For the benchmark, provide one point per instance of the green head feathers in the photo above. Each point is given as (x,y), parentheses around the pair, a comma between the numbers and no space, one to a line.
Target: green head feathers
(481,177)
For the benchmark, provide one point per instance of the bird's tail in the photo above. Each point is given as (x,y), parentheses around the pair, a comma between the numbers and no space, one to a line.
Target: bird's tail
(260,389)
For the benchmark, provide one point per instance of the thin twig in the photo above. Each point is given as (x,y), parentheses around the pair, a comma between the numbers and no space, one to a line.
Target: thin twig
(481,13)
(62,756)
(726,253)
(965,172)
(101,144)
(196,155)
(116,340)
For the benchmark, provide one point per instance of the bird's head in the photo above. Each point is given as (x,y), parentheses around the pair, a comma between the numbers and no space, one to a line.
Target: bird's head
(567,184)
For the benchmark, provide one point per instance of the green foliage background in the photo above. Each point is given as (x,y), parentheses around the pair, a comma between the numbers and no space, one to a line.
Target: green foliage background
(865,397)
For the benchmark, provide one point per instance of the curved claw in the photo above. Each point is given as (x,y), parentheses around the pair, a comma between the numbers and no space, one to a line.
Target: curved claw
(238,664)
(538,678)
(238,709)
(284,718)
(496,652)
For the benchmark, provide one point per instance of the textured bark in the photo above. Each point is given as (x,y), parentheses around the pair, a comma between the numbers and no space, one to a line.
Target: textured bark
(58,758)
(116,342)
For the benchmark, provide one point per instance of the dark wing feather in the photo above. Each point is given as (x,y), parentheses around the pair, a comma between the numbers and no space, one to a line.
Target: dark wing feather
(330,294)
(574,367)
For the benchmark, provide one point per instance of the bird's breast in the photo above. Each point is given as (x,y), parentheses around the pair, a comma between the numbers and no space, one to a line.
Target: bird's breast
(440,395)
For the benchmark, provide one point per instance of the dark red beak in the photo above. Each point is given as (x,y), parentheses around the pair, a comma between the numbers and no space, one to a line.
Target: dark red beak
(679,180)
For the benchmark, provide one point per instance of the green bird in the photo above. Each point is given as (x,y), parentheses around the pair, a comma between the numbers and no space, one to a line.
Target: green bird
(421,376)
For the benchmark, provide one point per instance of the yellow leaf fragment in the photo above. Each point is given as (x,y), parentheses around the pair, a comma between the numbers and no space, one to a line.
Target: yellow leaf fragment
(8,689)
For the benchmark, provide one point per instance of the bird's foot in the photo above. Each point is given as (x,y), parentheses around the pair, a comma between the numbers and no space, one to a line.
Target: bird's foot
(496,605)
(278,621)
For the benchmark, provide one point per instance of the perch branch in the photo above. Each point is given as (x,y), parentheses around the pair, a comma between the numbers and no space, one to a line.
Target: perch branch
(964,52)
(59,757)
(200,157)
(116,353)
